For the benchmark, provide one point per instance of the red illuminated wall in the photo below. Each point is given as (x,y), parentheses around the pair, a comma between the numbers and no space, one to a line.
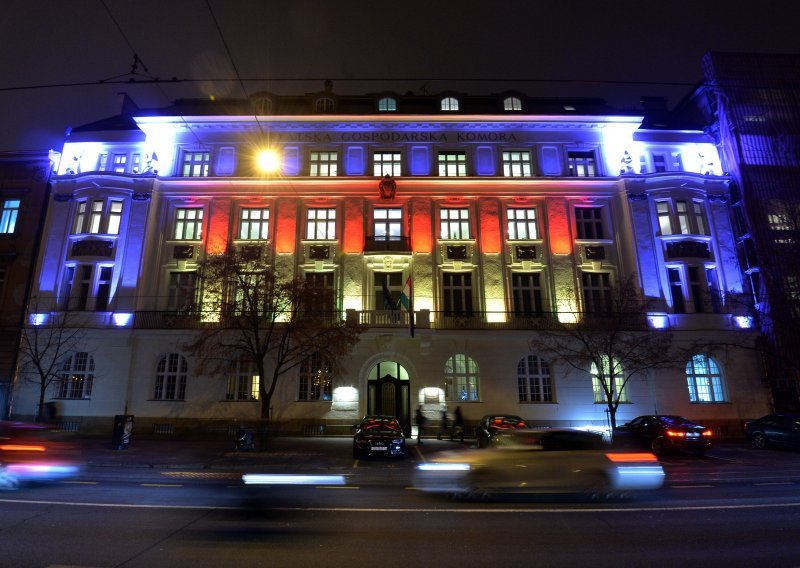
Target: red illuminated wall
(420,227)
(285,226)
(353,240)
(558,227)
(218,230)
(489,215)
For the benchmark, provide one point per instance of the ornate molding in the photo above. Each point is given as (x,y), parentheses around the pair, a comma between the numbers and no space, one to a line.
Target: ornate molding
(141,196)
(721,197)
(93,247)
(637,196)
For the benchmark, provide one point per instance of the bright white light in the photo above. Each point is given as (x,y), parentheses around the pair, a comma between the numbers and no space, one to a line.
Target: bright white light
(291,479)
(658,321)
(39,319)
(743,322)
(268,160)
(345,394)
(443,467)
(122,319)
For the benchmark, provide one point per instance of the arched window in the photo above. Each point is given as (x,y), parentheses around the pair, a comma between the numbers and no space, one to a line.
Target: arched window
(325,104)
(512,103)
(533,378)
(618,389)
(704,380)
(450,104)
(76,376)
(387,104)
(171,377)
(315,379)
(461,379)
(262,105)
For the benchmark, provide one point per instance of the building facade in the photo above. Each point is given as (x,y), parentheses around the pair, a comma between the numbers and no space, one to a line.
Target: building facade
(505,212)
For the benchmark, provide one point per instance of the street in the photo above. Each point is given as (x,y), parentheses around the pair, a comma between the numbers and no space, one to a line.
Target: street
(732,508)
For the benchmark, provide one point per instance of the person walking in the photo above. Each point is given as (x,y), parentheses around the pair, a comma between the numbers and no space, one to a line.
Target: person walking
(421,420)
(444,426)
(458,425)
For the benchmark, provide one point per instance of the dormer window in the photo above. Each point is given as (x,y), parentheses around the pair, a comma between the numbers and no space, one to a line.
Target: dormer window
(262,105)
(512,103)
(325,104)
(449,104)
(387,104)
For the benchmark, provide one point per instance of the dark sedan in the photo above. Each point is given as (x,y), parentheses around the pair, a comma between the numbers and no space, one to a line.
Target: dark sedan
(493,425)
(664,433)
(379,436)
(774,430)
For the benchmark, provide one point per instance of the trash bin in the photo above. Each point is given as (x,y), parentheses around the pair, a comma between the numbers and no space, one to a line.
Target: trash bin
(123,427)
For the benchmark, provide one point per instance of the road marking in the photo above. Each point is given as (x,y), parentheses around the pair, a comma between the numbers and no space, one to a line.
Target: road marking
(337,487)
(81,482)
(160,485)
(775,483)
(689,486)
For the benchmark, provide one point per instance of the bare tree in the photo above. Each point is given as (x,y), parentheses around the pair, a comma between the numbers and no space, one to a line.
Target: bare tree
(613,344)
(276,324)
(47,342)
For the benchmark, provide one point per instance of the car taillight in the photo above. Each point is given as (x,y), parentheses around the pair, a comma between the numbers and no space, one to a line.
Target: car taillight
(632,457)
(521,424)
(676,433)
(707,433)
(21,448)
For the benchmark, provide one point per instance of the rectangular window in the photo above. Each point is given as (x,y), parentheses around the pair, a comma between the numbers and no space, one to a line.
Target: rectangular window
(120,162)
(243,382)
(659,163)
(80,218)
(581,163)
(589,222)
(84,286)
(8,216)
(457,292)
(522,224)
(102,162)
(324,298)
(695,288)
(103,288)
(452,164)
(677,162)
(387,223)
(683,217)
(713,289)
(114,217)
(188,224)
(248,298)
(66,288)
(386,164)
(526,290)
(387,287)
(699,218)
(136,163)
(454,224)
(517,164)
(596,291)
(254,224)
(676,289)
(77,376)
(324,164)
(664,217)
(96,216)
(182,292)
(600,394)
(321,224)
(195,164)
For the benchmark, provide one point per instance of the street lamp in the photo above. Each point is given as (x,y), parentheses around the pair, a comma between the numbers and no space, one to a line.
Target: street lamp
(268,160)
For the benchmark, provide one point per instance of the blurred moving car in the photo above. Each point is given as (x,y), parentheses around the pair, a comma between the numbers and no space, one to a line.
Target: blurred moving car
(35,453)
(378,435)
(774,430)
(556,460)
(663,433)
(492,425)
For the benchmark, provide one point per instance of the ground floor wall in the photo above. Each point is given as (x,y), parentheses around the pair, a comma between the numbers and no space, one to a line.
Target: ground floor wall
(126,363)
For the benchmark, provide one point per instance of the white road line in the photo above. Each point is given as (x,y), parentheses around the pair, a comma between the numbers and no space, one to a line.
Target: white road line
(775,483)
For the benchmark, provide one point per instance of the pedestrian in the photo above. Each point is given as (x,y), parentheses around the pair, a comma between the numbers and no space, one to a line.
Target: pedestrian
(458,425)
(444,426)
(421,420)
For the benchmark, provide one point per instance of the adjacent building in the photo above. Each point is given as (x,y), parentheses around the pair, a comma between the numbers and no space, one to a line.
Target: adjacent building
(504,211)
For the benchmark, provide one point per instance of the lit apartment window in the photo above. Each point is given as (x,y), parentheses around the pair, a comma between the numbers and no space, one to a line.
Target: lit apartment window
(195,164)
(315,379)
(457,293)
(699,218)
(517,164)
(778,222)
(454,223)
(677,161)
(512,103)
(386,163)
(76,376)
(254,224)
(533,378)
(452,164)
(581,163)
(589,222)
(682,211)
(103,288)
(664,217)
(387,223)
(449,104)
(526,290)
(522,224)
(387,104)
(96,216)
(182,291)
(600,385)
(323,164)
(596,291)
(704,380)
(8,216)
(171,377)
(80,218)
(659,163)
(321,224)
(243,381)
(136,163)
(120,162)
(114,217)
(102,162)
(461,379)
(188,224)
(676,290)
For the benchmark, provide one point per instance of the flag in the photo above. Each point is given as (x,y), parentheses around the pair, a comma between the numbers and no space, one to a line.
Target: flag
(407,301)
(388,303)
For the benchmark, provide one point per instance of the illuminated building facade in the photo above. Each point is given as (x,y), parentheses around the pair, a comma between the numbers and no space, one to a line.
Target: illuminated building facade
(504,211)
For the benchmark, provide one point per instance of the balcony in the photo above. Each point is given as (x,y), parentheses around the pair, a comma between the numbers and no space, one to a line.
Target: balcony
(387,244)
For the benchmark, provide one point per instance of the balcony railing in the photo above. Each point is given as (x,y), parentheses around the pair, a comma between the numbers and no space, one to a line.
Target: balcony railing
(387,244)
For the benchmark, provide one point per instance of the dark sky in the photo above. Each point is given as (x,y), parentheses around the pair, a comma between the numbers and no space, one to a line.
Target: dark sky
(585,45)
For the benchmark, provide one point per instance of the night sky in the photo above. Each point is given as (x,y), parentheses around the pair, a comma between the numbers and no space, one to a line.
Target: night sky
(619,50)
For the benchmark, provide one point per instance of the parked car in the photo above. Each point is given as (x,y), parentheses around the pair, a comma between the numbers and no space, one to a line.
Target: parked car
(35,453)
(774,430)
(664,433)
(554,460)
(378,435)
(493,424)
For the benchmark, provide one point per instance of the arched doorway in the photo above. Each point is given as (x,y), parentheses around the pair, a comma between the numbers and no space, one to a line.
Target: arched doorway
(388,392)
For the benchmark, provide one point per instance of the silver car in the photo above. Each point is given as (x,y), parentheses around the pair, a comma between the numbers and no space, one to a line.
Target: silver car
(555,460)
